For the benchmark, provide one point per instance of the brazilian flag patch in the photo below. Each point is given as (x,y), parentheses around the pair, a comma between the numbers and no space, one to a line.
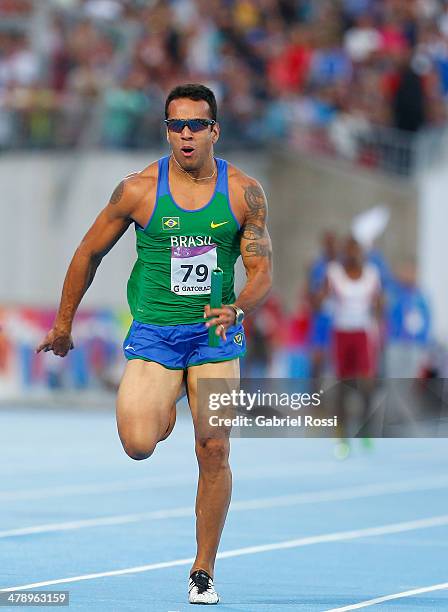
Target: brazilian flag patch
(238,339)
(170,223)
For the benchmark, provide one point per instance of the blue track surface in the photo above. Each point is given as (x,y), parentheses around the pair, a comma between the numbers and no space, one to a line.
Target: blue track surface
(68,466)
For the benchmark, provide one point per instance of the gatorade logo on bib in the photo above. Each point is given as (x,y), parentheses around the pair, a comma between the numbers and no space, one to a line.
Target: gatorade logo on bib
(191,269)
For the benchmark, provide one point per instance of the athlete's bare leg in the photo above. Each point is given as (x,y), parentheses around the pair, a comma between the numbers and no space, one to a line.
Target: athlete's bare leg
(146,406)
(215,477)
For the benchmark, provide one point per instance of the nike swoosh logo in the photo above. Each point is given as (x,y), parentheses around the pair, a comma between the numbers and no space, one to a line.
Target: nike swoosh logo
(214,225)
(129,348)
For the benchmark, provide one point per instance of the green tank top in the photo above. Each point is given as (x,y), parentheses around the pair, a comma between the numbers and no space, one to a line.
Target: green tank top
(177,251)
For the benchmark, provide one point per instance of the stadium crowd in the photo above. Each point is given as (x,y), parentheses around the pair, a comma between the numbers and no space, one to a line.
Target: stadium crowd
(97,71)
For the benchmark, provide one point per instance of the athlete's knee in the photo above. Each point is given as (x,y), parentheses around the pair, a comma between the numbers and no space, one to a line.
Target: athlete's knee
(213,453)
(139,451)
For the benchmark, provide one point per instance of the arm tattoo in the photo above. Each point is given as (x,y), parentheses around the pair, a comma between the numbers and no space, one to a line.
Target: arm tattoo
(254,230)
(256,202)
(118,192)
(256,249)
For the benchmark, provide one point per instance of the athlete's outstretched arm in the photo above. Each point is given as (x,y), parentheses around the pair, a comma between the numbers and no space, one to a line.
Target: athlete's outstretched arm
(107,229)
(256,251)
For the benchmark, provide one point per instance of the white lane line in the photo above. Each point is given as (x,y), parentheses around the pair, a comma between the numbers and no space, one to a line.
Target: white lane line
(282,470)
(339,536)
(311,497)
(98,522)
(94,488)
(372,602)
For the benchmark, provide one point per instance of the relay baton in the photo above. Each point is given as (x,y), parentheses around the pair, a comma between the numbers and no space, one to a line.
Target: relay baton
(215,302)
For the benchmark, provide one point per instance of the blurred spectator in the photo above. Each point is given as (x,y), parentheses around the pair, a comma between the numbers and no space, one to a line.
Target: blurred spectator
(409,316)
(409,104)
(289,65)
(363,39)
(124,112)
(19,66)
(409,326)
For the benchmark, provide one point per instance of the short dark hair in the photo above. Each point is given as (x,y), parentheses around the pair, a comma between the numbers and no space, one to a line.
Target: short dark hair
(193,91)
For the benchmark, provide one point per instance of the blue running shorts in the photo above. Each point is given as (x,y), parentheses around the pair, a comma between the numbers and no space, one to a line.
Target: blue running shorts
(180,346)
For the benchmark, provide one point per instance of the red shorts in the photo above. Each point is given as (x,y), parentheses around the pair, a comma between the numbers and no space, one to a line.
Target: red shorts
(355,354)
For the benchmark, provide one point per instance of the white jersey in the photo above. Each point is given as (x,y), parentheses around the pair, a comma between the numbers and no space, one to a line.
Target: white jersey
(353,298)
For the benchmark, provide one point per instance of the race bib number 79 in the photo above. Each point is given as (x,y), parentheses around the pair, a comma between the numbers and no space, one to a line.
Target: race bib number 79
(191,269)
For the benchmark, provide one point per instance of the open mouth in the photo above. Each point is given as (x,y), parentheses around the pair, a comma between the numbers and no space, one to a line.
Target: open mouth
(187,150)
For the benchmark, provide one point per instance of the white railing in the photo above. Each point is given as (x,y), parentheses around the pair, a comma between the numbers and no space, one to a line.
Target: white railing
(355,141)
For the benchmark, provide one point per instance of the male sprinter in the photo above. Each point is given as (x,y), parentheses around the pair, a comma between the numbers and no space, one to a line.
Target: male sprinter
(192,212)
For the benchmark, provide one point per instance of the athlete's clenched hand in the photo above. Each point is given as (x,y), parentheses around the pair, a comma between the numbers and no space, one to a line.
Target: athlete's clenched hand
(223,319)
(60,342)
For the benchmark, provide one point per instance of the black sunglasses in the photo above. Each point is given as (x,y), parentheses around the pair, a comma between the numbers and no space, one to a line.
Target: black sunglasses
(195,125)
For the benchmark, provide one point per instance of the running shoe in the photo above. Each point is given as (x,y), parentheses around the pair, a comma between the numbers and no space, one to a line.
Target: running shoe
(201,589)
(342,450)
(367,444)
